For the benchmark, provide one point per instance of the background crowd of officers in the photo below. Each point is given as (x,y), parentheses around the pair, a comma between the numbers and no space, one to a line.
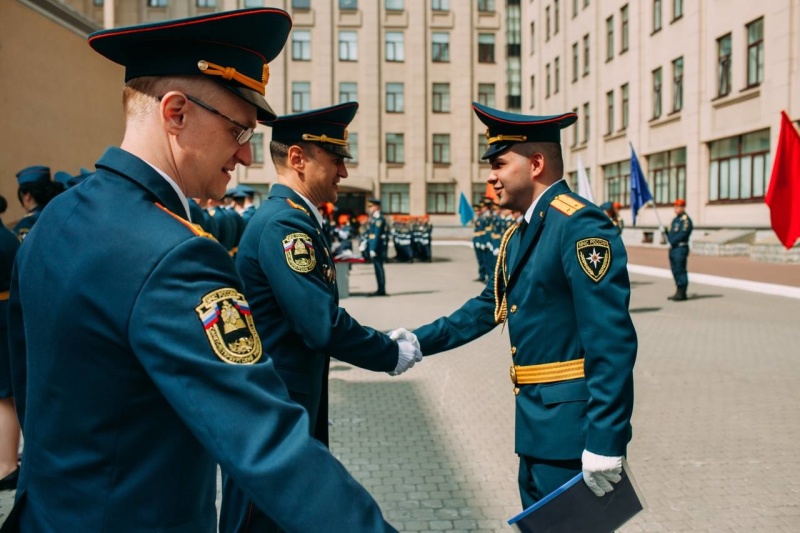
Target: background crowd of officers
(490,225)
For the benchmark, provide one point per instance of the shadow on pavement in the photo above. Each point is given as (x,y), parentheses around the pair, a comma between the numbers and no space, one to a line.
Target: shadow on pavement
(401,293)
(635,284)
(384,436)
(645,310)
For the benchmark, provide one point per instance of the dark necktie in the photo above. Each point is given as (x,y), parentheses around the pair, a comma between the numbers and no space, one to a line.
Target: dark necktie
(522,227)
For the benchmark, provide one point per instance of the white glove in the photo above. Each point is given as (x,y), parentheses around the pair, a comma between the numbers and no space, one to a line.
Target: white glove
(404,334)
(406,357)
(372,254)
(599,471)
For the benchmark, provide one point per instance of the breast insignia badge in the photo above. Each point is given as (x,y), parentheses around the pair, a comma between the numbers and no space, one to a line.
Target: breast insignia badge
(226,318)
(299,251)
(594,256)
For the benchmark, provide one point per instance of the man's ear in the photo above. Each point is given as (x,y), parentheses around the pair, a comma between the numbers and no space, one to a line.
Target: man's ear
(536,162)
(173,109)
(296,158)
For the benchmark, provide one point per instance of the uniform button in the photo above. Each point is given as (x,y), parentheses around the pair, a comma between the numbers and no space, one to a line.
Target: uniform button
(514,308)
(513,350)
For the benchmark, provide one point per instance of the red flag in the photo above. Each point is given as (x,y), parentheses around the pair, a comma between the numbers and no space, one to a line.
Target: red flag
(783,195)
(490,192)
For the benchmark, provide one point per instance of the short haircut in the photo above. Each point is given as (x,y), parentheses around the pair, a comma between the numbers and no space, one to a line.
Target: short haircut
(551,152)
(279,150)
(140,94)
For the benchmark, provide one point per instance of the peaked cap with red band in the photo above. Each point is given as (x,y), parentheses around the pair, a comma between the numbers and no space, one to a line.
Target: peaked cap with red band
(232,48)
(504,129)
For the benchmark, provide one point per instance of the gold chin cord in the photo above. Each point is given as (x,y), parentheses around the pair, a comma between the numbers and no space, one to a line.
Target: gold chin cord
(229,73)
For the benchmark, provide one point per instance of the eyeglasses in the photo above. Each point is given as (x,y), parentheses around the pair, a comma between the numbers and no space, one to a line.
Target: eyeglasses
(245,135)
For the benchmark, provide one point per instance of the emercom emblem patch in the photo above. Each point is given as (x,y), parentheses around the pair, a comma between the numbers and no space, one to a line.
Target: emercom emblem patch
(594,256)
(229,326)
(299,251)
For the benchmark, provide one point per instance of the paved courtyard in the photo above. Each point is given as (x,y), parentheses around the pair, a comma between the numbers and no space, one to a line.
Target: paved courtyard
(716,442)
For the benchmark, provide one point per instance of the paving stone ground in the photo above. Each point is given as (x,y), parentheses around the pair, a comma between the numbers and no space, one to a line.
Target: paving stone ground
(716,428)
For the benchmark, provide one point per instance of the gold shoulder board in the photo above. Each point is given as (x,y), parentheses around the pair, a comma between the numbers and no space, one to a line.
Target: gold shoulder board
(567,204)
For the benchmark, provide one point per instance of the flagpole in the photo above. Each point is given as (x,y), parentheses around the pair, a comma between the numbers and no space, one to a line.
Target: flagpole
(661,227)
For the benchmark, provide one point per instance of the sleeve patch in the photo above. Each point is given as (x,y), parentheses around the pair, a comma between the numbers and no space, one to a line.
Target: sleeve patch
(594,256)
(225,316)
(299,251)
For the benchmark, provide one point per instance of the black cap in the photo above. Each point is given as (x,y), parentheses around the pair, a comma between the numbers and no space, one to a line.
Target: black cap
(504,129)
(326,126)
(231,48)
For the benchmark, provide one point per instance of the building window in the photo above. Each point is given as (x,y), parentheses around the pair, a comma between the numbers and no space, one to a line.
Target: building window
(486,6)
(556,75)
(585,4)
(514,73)
(486,94)
(668,175)
(656,15)
(157,3)
(98,3)
(617,182)
(394,198)
(394,98)
(301,96)
(203,3)
(394,5)
(677,9)
(575,61)
(513,30)
(441,47)
(755,52)
(610,38)
(739,168)
(301,45)
(441,98)
(441,198)
(586,122)
(533,38)
(257,147)
(395,49)
(547,23)
(441,148)
(575,129)
(348,91)
(533,91)
(724,65)
(677,85)
(623,30)
(352,147)
(486,48)
(478,192)
(348,5)
(657,82)
(440,5)
(556,16)
(483,145)
(348,46)
(586,55)
(609,112)
(301,4)
(625,105)
(253,3)
(547,81)
(394,148)
(574,8)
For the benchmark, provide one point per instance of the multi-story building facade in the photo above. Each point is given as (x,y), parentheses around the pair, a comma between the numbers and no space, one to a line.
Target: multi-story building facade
(695,87)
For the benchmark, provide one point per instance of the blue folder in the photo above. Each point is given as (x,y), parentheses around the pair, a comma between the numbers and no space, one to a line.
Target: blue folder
(573,508)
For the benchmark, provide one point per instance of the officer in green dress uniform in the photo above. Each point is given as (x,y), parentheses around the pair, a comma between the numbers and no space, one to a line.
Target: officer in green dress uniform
(378,244)
(562,285)
(35,191)
(131,341)
(286,263)
(678,236)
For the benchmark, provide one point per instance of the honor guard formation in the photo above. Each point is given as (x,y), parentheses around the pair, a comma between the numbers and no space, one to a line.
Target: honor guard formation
(200,334)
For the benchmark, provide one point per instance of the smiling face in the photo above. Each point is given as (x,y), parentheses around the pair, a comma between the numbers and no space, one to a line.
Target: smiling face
(323,170)
(512,178)
(211,151)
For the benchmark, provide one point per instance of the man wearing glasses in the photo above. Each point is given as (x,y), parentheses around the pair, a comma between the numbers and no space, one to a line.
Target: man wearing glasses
(134,353)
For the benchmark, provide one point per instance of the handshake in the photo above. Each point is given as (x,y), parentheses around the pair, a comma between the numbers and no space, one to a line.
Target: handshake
(409,352)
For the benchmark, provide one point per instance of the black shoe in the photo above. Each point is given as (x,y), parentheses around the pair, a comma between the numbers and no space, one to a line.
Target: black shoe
(10,481)
(680,296)
(377,293)
(481,280)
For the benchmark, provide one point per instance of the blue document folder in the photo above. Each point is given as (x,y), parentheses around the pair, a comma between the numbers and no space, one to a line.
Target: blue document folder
(573,508)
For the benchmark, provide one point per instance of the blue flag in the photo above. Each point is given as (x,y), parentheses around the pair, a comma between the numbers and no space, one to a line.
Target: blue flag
(640,194)
(465,210)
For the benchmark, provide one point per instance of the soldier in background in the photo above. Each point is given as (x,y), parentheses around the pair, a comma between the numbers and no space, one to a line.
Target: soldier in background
(678,236)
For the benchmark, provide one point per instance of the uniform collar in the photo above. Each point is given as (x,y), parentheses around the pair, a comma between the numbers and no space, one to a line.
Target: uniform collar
(175,187)
(532,208)
(283,191)
(136,170)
